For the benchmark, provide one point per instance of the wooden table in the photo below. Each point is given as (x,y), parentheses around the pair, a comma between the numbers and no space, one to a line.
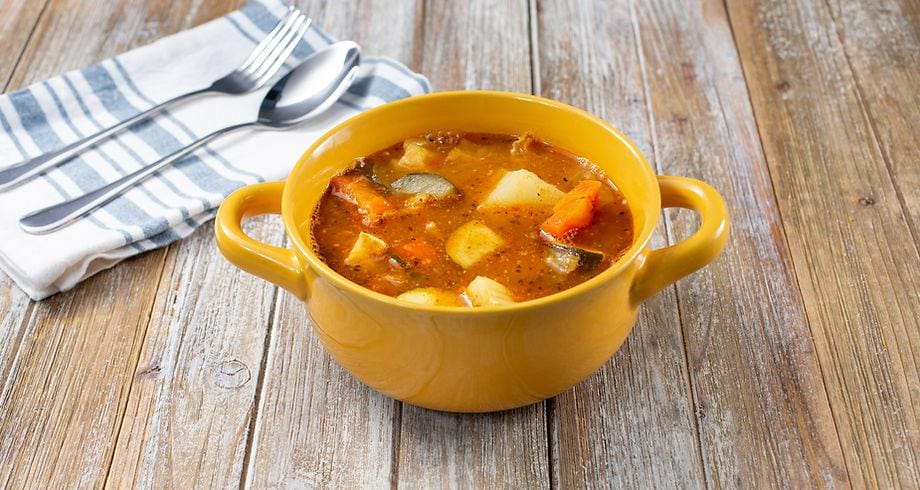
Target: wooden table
(793,360)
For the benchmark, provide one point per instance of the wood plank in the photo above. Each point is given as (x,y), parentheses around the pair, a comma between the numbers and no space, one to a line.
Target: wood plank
(504,450)
(15,29)
(316,425)
(69,381)
(700,125)
(881,41)
(856,261)
(16,25)
(786,432)
(632,424)
(70,376)
(186,421)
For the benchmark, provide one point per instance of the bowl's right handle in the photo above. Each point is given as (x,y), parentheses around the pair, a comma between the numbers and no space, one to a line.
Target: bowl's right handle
(665,266)
(275,264)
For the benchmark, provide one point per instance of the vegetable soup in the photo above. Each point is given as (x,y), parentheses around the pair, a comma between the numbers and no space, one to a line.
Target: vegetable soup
(455,219)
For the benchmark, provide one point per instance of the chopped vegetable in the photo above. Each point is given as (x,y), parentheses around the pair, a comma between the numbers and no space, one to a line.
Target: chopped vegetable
(522,144)
(471,243)
(574,212)
(465,152)
(367,248)
(521,187)
(418,156)
(567,258)
(483,291)
(430,296)
(399,263)
(417,252)
(361,192)
(425,183)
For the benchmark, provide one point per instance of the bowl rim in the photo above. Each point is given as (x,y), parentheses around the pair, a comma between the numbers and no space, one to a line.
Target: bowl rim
(319,267)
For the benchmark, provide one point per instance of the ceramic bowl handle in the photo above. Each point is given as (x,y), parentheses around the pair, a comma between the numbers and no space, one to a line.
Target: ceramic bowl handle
(665,266)
(278,265)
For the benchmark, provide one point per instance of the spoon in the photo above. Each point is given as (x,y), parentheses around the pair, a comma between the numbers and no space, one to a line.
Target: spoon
(308,90)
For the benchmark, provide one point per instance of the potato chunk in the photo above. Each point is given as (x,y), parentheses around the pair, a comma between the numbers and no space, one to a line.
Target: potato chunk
(417,156)
(464,153)
(471,243)
(367,248)
(430,296)
(483,291)
(521,187)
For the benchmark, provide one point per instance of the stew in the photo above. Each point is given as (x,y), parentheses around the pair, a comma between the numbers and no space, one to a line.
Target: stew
(473,219)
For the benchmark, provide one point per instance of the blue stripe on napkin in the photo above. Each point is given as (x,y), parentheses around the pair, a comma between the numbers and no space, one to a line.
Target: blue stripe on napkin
(170,205)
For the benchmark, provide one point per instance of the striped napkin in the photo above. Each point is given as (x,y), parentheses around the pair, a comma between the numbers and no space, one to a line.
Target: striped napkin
(172,204)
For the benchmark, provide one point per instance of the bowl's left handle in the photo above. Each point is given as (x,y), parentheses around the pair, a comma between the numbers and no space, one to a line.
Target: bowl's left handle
(278,265)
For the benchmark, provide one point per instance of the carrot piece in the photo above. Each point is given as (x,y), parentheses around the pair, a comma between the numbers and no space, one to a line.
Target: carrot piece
(418,251)
(574,211)
(360,191)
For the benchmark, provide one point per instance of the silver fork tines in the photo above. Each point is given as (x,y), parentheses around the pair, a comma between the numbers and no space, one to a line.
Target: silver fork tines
(277,46)
(259,67)
(281,52)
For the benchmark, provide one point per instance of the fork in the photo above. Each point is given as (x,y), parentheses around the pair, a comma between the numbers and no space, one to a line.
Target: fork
(263,62)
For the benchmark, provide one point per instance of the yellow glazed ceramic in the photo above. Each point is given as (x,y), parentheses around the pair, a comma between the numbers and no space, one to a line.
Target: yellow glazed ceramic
(487,358)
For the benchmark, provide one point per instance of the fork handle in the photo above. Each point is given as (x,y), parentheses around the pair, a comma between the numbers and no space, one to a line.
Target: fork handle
(59,215)
(23,171)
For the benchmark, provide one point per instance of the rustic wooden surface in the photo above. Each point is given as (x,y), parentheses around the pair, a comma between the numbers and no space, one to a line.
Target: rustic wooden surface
(791,361)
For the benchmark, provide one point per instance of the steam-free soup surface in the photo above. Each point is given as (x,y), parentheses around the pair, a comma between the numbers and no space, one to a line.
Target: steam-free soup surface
(471,219)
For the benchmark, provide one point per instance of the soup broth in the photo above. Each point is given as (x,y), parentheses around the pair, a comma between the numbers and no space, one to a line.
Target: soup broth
(473,219)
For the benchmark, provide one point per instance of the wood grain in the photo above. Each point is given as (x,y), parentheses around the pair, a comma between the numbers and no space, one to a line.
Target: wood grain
(782,430)
(68,386)
(69,381)
(881,41)
(191,397)
(16,25)
(632,424)
(855,258)
(503,450)
(315,425)
(790,361)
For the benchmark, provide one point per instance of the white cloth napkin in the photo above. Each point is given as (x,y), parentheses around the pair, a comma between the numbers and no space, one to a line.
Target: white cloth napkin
(172,204)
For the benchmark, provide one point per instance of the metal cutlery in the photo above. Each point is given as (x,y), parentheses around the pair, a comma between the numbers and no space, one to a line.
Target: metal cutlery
(262,64)
(304,92)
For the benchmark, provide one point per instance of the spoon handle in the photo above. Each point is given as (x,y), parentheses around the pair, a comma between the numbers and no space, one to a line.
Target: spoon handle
(59,215)
(27,169)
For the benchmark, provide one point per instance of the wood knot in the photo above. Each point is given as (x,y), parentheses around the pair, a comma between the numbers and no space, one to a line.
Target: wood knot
(700,411)
(782,86)
(232,374)
(866,201)
(149,371)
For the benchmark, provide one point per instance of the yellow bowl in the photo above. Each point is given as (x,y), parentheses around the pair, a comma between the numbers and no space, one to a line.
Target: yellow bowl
(487,358)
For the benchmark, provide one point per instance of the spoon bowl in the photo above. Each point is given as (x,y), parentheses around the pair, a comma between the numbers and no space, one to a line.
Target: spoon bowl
(306,91)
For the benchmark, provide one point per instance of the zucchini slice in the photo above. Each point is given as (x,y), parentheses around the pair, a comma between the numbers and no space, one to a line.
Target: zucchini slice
(564,258)
(425,183)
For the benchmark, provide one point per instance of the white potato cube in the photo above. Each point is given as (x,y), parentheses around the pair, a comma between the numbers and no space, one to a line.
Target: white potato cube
(471,243)
(430,296)
(483,291)
(416,156)
(521,187)
(367,248)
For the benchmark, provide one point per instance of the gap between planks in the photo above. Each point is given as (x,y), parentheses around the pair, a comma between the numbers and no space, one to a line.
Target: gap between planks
(670,240)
